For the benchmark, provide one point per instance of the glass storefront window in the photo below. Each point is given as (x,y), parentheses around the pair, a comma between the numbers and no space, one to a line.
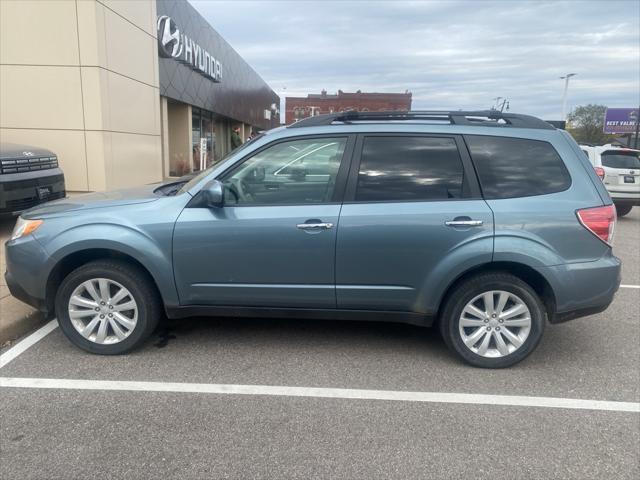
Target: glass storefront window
(196,126)
(222,138)
(208,133)
(202,128)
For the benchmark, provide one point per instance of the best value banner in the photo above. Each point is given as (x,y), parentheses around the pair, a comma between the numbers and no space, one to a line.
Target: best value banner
(620,120)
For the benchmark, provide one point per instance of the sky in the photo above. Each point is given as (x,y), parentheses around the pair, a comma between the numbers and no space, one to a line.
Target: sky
(450,54)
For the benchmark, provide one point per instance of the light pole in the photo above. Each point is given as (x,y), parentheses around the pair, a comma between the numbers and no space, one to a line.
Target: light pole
(564,95)
(635,143)
(283,105)
(498,105)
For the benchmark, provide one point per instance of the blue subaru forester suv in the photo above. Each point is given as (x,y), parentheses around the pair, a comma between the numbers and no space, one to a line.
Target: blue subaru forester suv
(485,224)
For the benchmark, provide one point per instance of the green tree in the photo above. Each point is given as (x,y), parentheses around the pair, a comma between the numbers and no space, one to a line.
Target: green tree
(586,123)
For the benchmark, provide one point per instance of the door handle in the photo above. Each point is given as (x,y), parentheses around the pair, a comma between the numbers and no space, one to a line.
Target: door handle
(315,226)
(463,223)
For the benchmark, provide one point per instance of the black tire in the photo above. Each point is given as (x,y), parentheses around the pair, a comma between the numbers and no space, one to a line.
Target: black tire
(133,279)
(622,210)
(470,288)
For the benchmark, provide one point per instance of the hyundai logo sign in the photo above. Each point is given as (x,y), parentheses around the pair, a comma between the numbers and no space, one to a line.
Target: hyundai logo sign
(174,44)
(169,37)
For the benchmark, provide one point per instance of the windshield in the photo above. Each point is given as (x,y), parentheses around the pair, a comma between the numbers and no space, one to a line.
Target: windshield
(615,159)
(207,170)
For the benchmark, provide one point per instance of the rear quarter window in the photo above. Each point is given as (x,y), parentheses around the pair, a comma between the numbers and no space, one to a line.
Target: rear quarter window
(517,167)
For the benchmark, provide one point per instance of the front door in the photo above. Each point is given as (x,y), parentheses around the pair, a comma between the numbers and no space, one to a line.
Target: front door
(273,243)
(412,213)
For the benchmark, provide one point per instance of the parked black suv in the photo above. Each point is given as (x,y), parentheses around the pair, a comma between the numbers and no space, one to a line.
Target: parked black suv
(28,176)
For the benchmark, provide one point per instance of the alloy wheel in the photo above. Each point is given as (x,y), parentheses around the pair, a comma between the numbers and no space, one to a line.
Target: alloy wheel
(495,324)
(103,311)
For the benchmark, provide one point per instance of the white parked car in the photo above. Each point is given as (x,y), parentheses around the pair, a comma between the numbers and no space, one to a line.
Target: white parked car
(619,169)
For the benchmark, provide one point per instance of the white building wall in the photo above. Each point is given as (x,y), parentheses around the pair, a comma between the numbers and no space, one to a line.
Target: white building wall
(80,77)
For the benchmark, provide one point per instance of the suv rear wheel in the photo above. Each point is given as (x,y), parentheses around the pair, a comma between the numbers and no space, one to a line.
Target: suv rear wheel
(107,307)
(622,210)
(493,320)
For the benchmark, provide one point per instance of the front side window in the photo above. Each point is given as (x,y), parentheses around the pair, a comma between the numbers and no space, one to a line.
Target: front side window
(517,167)
(288,173)
(618,159)
(409,169)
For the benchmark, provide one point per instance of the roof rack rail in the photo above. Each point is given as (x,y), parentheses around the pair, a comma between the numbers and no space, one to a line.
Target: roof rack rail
(474,118)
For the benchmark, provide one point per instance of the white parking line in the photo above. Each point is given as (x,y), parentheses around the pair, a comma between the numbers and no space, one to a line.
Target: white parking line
(23,345)
(340,393)
(629,286)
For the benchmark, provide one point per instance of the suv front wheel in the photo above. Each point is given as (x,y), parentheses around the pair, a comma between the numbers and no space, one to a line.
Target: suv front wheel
(493,320)
(107,307)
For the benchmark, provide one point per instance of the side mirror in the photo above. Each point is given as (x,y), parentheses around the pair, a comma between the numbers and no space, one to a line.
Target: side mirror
(213,193)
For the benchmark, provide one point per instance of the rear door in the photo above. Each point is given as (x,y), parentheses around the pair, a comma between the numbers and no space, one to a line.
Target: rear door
(412,210)
(622,170)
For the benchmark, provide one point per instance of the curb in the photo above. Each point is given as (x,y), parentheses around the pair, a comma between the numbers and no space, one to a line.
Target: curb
(17,319)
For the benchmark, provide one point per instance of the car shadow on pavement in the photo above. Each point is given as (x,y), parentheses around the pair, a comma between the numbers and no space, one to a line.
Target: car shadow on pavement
(287,332)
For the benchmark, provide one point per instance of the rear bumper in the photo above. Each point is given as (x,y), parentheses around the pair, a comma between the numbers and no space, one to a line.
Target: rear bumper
(625,196)
(583,289)
(573,314)
(634,202)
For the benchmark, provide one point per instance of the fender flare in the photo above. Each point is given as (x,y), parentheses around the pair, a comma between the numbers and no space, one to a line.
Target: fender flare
(481,255)
(119,238)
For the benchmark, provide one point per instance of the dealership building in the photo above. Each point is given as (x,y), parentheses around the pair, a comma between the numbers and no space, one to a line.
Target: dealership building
(124,92)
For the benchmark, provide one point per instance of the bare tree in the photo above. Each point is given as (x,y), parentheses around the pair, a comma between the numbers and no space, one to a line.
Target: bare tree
(586,123)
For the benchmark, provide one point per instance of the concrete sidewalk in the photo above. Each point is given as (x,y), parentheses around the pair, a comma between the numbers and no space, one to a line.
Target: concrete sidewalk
(16,318)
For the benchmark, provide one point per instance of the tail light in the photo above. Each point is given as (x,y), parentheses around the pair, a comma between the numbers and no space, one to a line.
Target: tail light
(599,172)
(601,221)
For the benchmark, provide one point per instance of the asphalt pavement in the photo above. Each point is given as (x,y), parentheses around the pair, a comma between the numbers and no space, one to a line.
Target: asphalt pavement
(79,433)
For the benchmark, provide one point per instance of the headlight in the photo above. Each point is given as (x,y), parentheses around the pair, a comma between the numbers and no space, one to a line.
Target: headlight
(25,227)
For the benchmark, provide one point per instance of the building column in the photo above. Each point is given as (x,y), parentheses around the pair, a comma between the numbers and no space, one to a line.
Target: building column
(179,138)
(164,132)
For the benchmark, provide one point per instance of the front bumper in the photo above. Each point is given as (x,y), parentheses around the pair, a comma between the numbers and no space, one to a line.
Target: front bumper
(20,191)
(27,273)
(21,294)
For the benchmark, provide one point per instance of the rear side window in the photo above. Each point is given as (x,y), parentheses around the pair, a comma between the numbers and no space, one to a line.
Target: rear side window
(517,167)
(409,169)
(616,159)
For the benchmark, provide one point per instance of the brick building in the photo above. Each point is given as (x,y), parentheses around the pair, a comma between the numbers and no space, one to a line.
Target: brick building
(316,104)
